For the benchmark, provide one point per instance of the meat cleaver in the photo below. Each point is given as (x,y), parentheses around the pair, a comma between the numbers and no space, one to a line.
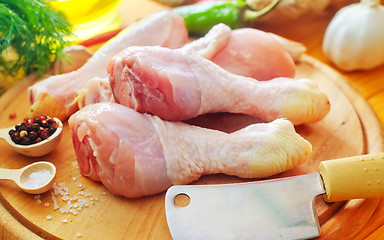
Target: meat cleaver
(282,208)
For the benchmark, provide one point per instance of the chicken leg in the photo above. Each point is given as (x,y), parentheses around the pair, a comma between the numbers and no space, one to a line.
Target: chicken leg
(178,86)
(136,154)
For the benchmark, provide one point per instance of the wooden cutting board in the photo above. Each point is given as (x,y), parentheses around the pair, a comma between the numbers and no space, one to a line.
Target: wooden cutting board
(350,129)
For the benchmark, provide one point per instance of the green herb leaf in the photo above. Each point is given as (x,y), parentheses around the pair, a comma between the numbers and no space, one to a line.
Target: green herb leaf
(33,33)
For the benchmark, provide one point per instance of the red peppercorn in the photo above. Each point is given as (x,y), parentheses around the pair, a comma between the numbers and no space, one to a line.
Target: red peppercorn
(12,116)
(44,134)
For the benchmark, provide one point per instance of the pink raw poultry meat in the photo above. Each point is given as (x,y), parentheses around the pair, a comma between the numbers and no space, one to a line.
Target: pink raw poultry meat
(246,51)
(136,154)
(164,28)
(177,86)
(241,51)
(98,90)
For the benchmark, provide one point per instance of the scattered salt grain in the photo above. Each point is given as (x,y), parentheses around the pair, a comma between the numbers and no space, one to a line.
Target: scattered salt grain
(60,188)
(37,179)
(55,203)
(37,197)
(78,234)
(74,204)
(73,211)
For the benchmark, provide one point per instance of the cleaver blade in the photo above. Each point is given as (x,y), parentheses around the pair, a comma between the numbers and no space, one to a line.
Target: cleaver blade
(281,208)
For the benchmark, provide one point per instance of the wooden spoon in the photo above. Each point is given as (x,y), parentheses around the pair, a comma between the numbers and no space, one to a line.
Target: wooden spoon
(36,178)
(37,149)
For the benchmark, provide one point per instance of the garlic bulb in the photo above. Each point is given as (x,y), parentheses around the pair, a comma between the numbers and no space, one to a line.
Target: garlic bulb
(354,39)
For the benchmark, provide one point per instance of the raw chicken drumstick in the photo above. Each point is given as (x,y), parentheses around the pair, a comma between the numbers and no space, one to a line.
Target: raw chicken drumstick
(59,93)
(241,51)
(177,86)
(136,154)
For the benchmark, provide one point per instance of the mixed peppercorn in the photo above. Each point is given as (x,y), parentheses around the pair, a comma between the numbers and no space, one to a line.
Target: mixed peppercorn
(33,130)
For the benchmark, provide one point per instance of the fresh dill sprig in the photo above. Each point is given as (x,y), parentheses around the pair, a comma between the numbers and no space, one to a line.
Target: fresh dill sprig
(35,32)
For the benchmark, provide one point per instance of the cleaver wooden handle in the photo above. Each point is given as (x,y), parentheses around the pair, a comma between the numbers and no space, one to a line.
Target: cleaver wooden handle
(353,177)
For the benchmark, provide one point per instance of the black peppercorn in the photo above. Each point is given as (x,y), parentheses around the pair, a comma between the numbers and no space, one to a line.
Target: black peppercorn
(12,132)
(16,139)
(35,127)
(51,129)
(36,120)
(32,135)
(22,128)
(26,141)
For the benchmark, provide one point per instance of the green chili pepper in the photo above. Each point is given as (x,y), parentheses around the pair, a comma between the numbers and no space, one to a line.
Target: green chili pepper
(200,18)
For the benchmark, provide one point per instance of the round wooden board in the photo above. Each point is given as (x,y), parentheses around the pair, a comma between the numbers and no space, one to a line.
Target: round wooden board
(351,128)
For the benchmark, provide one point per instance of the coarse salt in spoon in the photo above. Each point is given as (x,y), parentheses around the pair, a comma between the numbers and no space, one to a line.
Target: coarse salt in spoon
(36,178)
(36,149)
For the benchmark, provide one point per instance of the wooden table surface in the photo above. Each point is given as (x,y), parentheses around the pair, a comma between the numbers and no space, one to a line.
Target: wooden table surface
(308,30)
